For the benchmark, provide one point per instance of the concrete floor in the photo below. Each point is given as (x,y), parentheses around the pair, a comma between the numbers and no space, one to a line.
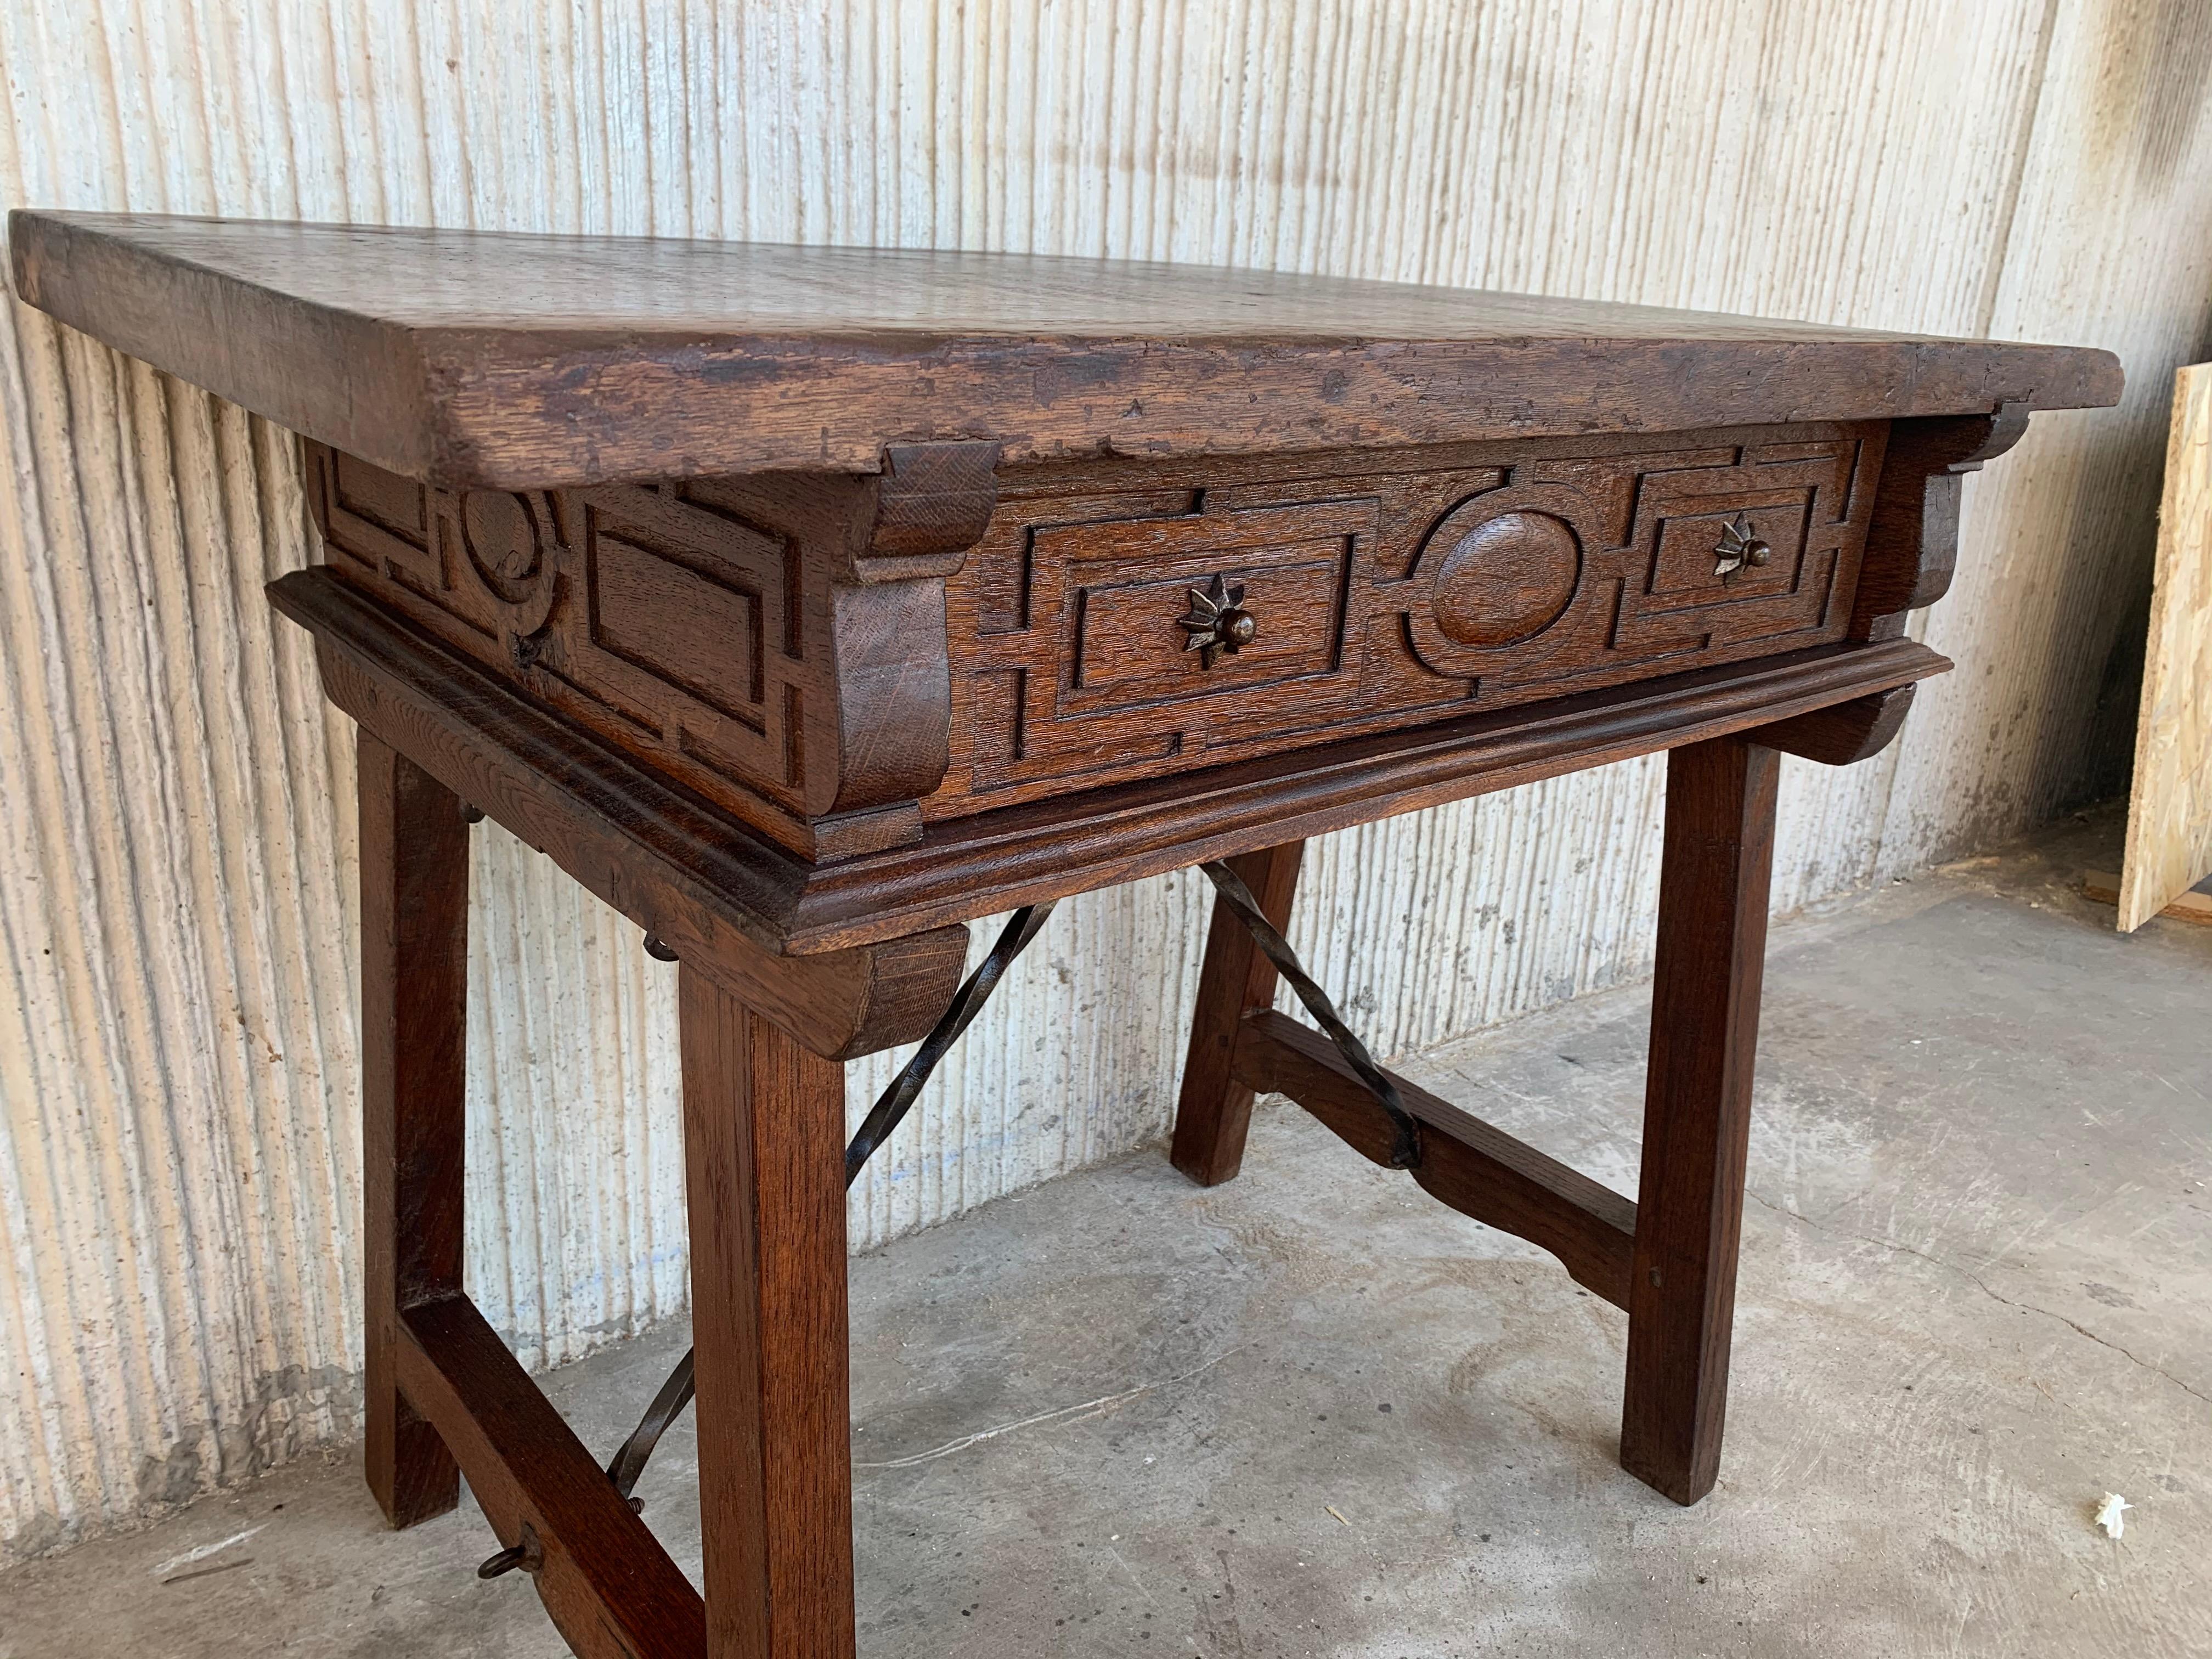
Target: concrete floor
(1312,1412)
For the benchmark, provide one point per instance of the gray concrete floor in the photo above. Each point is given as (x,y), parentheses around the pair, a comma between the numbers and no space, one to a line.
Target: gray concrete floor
(1311,1413)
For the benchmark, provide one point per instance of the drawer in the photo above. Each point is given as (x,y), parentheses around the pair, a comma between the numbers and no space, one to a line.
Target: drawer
(1483,578)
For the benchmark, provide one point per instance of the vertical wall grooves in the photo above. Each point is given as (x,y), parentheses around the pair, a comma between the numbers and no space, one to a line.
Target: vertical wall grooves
(179,1161)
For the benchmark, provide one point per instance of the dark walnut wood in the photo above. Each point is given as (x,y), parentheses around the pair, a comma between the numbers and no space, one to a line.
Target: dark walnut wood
(611,1590)
(763,1158)
(440,1383)
(1913,547)
(739,636)
(764,643)
(838,953)
(1474,1167)
(413,1023)
(1713,879)
(1429,585)
(1843,733)
(684,873)
(784,615)
(1214,1111)
(483,359)
(808,604)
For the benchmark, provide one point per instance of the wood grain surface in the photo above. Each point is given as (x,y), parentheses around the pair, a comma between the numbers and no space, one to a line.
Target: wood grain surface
(734,901)
(2169,845)
(763,1145)
(1697,1113)
(1912,544)
(469,358)
(1213,1112)
(775,642)
(1924,173)
(1843,733)
(668,861)
(414,1021)
(611,1590)
(1390,587)
(1474,1167)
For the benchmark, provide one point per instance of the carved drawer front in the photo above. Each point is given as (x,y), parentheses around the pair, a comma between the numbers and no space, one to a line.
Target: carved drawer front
(1115,648)
(1100,636)
(1113,586)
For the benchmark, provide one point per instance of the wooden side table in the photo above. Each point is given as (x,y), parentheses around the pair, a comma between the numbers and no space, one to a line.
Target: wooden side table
(806,604)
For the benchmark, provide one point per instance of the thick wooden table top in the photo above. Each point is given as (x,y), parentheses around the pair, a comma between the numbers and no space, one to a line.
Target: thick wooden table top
(475,359)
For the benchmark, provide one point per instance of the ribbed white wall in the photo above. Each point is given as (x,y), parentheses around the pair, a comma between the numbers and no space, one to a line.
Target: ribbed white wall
(179,1159)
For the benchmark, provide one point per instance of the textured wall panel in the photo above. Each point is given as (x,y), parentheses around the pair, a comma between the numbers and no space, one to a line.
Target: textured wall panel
(179,1160)
(2110,243)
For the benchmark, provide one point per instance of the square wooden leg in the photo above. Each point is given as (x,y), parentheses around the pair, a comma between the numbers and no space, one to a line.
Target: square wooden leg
(763,1141)
(1215,1109)
(1697,1116)
(414,937)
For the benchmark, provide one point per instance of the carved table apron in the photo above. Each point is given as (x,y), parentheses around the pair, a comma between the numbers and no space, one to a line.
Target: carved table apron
(805,604)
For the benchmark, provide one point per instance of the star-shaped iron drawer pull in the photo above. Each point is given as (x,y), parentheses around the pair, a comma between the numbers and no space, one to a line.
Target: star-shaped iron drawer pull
(1740,545)
(1218,621)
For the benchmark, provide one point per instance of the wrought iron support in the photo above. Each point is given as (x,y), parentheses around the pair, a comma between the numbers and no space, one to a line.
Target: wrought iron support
(884,1118)
(891,1106)
(1406,1151)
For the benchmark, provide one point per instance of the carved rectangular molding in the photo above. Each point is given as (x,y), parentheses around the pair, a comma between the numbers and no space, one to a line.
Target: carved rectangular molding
(776,645)
(817,654)
(1456,582)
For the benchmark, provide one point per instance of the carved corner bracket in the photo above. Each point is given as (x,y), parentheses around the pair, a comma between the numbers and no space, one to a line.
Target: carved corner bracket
(1843,733)
(878,549)
(1912,539)
(931,503)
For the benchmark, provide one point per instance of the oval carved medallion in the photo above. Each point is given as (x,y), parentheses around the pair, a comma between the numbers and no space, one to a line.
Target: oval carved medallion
(1505,577)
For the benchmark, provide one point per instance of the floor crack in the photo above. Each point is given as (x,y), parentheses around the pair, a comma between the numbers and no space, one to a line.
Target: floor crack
(1980,1284)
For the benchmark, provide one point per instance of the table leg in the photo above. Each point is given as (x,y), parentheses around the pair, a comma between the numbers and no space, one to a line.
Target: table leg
(764,1124)
(1719,850)
(1215,1109)
(414,936)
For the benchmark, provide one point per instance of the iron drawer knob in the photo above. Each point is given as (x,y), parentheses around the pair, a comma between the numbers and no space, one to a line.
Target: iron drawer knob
(1216,620)
(1740,545)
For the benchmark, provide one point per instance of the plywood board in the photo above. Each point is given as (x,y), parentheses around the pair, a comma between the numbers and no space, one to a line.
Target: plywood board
(2170,806)
(2101,887)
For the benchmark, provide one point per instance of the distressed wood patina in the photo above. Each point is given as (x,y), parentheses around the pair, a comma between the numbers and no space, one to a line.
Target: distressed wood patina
(806,603)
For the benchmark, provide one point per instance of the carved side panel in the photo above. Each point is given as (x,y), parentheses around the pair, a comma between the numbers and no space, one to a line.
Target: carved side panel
(1912,542)
(733,649)
(1385,598)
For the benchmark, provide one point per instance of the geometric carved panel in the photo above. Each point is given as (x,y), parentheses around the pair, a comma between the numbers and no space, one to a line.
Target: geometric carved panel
(699,631)
(671,622)
(1497,575)
(1100,676)
(668,627)
(1655,580)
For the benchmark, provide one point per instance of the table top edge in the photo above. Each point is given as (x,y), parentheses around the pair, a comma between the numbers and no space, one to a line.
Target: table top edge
(465,401)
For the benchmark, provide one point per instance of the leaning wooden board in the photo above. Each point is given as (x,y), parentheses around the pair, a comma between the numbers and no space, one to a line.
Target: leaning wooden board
(2169,847)
(807,604)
